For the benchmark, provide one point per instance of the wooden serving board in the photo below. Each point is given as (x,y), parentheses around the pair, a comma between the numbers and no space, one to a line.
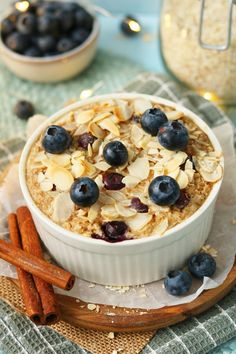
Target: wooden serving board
(137,320)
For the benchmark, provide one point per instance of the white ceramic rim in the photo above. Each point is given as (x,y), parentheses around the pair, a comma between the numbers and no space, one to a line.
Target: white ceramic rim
(128,243)
(60,57)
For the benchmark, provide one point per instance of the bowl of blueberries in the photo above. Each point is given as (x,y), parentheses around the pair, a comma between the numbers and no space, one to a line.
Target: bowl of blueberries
(48,41)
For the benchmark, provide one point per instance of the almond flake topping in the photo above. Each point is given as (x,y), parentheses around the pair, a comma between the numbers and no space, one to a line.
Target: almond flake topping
(84,116)
(109,125)
(62,207)
(62,178)
(139,168)
(174,115)
(138,221)
(141,105)
(123,111)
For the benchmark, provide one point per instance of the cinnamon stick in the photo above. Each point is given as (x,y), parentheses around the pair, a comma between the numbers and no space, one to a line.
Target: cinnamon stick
(31,244)
(28,290)
(36,266)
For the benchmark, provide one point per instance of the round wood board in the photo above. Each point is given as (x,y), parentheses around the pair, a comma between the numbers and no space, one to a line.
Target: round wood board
(120,319)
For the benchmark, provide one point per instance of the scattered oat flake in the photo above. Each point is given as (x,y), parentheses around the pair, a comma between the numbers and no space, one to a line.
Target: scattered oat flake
(111,335)
(91,285)
(91,307)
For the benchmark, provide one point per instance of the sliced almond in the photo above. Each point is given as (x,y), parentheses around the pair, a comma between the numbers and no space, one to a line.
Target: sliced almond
(174,115)
(61,177)
(96,145)
(160,227)
(102,166)
(81,130)
(63,207)
(109,211)
(90,169)
(46,185)
(182,179)
(123,111)
(101,116)
(60,159)
(125,212)
(207,164)
(153,151)
(130,181)
(213,176)
(137,222)
(190,174)
(93,212)
(84,116)
(119,196)
(90,150)
(174,174)
(109,125)
(78,170)
(188,165)
(99,181)
(177,160)
(41,176)
(141,105)
(136,134)
(144,142)
(106,199)
(139,168)
(95,130)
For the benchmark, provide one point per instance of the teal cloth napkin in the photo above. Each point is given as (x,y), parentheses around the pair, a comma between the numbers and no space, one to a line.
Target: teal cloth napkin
(197,335)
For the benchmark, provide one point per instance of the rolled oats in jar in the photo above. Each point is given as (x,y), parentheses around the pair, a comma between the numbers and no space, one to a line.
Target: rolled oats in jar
(199,44)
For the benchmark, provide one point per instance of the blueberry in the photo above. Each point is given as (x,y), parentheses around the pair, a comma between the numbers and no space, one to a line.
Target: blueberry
(152,119)
(24,109)
(71,6)
(66,20)
(115,153)
(7,27)
(17,42)
(85,139)
(33,52)
(65,44)
(47,24)
(125,26)
(84,192)
(56,140)
(46,44)
(202,265)
(26,23)
(113,181)
(177,282)
(84,19)
(115,230)
(138,205)
(79,35)
(47,8)
(164,190)
(173,136)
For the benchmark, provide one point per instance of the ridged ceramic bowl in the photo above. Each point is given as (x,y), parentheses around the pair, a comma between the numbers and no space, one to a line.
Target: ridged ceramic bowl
(53,68)
(129,262)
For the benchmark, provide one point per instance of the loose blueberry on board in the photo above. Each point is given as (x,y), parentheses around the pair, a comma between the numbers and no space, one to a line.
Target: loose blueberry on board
(127,28)
(202,265)
(138,205)
(173,136)
(152,119)
(85,139)
(17,42)
(84,192)
(115,153)
(113,181)
(26,23)
(56,140)
(164,190)
(177,282)
(24,109)
(115,231)
(65,44)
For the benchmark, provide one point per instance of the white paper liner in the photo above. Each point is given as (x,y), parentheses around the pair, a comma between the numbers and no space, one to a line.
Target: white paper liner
(150,296)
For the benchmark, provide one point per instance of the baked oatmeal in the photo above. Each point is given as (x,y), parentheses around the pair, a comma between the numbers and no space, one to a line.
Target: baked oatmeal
(122,169)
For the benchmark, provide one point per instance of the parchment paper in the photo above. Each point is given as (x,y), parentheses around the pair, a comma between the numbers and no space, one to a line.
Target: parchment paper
(153,295)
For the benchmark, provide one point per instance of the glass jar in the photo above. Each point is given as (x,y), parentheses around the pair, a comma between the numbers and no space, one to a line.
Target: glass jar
(198,40)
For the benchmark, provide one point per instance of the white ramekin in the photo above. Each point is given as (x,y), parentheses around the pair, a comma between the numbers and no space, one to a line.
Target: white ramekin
(55,68)
(129,262)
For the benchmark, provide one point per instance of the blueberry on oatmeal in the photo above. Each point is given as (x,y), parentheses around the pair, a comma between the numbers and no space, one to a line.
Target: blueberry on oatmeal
(173,136)
(56,139)
(115,153)
(84,192)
